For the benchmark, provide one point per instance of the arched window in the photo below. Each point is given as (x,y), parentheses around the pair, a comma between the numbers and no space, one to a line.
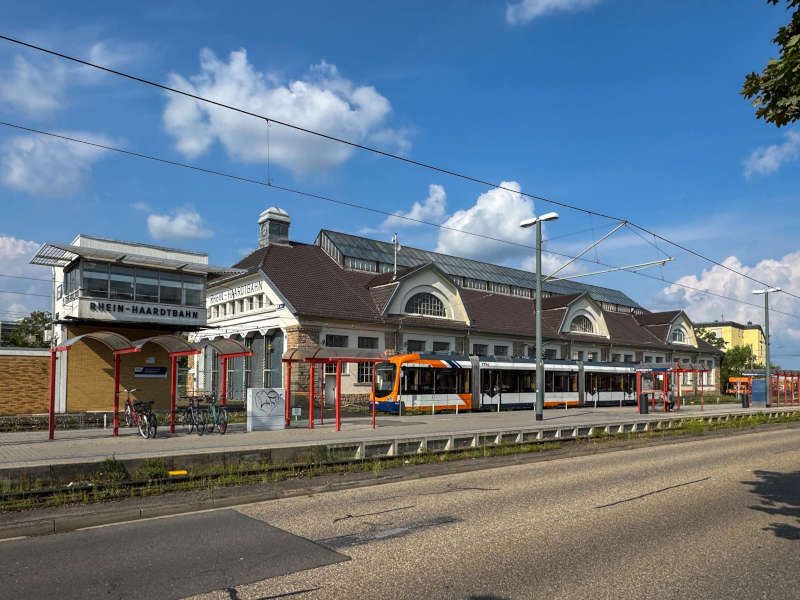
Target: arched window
(678,336)
(581,324)
(425,304)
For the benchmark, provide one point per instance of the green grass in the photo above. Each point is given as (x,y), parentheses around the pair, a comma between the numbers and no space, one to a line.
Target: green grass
(109,481)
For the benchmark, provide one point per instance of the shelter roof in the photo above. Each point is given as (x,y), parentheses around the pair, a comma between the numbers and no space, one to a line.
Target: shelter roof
(52,254)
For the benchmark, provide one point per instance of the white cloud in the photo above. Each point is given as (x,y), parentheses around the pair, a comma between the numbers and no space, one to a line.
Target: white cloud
(45,166)
(432,209)
(15,255)
(183,224)
(767,160)
(38,86)
(783,272)
(497,213)
(528,10)
(322,100)
(36,89)
(141,206)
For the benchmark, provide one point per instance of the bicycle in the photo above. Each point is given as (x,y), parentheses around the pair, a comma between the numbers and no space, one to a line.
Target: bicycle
(216,416)
(193,417)
(141,415)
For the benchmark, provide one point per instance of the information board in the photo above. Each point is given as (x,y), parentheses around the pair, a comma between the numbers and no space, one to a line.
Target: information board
(266,409)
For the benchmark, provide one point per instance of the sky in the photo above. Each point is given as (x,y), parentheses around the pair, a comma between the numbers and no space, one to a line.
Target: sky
(627,108)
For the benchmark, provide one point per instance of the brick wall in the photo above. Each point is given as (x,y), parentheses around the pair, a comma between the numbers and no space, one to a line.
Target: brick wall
(24,384)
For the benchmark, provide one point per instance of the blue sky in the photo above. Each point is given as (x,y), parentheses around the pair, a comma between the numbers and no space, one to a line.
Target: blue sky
(629,108)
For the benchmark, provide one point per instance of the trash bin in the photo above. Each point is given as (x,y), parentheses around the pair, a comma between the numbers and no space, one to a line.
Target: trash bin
(643,404)
(745,400)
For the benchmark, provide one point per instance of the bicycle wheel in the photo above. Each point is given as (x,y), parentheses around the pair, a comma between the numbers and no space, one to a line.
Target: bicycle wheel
(201,422)
(128,418)
(142,424)
(222,420)
(209,421)
(152,425)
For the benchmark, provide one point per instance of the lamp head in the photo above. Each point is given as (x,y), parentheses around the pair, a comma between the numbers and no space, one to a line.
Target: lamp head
(551,216)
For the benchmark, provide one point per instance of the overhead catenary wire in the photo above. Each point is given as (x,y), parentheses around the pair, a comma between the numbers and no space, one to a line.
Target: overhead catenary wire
(362,207)
(384,153)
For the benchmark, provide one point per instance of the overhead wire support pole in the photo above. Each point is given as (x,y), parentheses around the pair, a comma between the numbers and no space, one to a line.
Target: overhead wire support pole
(585,250)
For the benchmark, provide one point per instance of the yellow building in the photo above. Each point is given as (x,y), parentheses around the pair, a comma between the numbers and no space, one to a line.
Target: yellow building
(736,334)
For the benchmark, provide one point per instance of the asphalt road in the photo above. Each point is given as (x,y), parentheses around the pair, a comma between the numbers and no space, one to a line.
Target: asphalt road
(714,518)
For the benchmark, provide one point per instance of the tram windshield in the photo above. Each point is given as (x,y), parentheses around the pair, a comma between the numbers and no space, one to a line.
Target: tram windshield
(384,379)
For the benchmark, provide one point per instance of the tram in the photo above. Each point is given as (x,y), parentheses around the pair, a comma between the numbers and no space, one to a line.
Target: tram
(433,382)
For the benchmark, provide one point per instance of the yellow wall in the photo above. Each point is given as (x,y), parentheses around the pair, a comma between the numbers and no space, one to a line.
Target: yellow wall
(737,336)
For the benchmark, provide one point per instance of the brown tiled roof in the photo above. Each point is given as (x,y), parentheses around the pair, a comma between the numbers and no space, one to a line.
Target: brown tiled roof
(313,283)
(624,329)
(658,318)
(317,286)
(382,294)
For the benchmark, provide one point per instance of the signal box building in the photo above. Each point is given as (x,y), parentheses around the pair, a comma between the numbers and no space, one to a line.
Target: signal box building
(341,295)
(107,288)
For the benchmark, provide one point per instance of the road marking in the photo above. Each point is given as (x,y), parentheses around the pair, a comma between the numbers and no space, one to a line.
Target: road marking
(640,496)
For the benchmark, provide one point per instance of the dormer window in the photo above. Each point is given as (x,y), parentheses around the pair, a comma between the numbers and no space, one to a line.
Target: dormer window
(678,336)
(426,304)
(581,324)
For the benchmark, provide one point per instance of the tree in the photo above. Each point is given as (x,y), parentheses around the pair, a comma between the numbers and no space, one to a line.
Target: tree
(30,330)
(735,361)
(775,93)
(711,338)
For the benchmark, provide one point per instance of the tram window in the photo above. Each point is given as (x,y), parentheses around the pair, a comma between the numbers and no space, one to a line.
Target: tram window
(410,380)
(426,379)
(527,382)
(384,379)
(510,385)
(445,381)
(464,379)
(487,382)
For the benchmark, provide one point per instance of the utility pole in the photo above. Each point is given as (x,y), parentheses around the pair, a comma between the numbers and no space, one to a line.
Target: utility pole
(539,362)
(766,339)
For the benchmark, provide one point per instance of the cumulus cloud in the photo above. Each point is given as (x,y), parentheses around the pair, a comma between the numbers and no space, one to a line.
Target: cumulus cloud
(783,272)
(432,209)
(767,160)
(15,255)
(496,213)
(183,224)
(45,166)
(322,100)
(527,10)
(37,86)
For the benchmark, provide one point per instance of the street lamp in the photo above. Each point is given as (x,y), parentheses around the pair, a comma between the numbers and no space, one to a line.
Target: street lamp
(766,292)
(551,216)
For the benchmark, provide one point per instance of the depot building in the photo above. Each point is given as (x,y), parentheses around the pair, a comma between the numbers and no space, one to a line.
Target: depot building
(341,296)
(126,299)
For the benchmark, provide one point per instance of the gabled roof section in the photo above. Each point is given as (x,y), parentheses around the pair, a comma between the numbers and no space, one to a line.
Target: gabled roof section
(369,249)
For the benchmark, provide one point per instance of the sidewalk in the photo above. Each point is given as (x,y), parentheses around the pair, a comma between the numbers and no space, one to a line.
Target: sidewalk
(30,449)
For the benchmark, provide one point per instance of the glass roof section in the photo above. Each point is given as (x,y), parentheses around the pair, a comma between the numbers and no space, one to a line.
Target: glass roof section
(368,249)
